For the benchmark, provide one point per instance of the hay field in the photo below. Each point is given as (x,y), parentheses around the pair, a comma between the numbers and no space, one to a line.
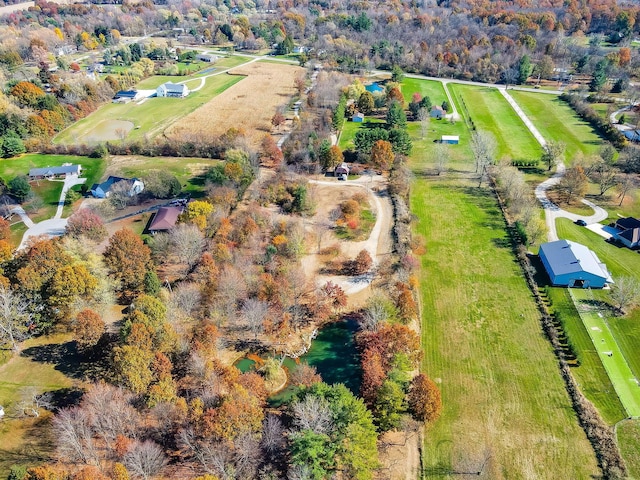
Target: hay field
(248,104)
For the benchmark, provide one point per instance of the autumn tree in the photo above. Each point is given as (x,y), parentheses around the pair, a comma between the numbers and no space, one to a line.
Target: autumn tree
(425,402)
(362,263)
(333,158)
(86,222)
(127,259)
(15,317)
(197,212)
(553,153)
(88,329)
(382,154)
(573,184)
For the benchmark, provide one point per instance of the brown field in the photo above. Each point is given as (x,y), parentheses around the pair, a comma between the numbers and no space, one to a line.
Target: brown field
(248,104)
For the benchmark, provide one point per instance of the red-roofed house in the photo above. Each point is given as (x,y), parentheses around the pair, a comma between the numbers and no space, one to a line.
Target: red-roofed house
(165,219)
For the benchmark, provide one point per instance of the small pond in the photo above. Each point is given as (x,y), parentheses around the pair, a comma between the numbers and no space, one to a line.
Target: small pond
(333,352)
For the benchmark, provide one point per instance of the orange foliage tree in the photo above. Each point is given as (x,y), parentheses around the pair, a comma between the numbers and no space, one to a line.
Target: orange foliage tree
(425,401)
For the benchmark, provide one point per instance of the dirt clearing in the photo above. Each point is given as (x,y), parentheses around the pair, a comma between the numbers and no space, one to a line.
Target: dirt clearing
(248,104)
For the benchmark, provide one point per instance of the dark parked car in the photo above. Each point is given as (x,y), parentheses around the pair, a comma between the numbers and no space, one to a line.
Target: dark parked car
(581,222)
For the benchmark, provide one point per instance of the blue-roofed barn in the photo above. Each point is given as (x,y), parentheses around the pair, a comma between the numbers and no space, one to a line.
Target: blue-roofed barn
(570,264)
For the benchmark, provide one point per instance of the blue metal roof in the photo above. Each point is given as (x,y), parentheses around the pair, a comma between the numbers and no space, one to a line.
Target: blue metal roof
(565,256)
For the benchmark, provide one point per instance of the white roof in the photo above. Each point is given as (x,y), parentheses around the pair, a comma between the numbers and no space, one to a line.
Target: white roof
(450,137)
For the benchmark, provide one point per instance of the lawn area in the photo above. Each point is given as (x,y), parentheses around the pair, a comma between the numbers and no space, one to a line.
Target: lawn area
(187,170)
(350,128)
(28,440)
(557,121)
(502,392)
(591,375)
(426,88)
(149,118)
(629,441)
(491,112)
(49,191)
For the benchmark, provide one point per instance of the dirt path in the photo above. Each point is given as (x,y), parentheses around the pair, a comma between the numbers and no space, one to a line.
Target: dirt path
(379,242)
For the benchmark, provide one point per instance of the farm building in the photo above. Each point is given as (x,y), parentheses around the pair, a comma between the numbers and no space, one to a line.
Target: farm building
(632,135)
(341,171)
(570,264)
(207,57)
(437,112)
(176,90)
(628,231)
(358,117)
(54,172)
(165,219)
(450,139)
(128,96)
(374,88)
(103,190)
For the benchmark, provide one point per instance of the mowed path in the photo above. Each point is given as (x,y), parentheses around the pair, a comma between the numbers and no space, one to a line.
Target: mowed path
(624,381)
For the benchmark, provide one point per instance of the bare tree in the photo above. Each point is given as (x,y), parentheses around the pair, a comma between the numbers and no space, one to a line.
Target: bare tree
(484,147)
(312,413)
(573,184)
(188,242)
(273,439)
(255,312)
(604,175)
(187,297)
(111,412)
(441,154)
(72,430)
(299,472)
(321,227)
(15,319)
(625,293)
(626,185)
(424,117)
(145,459)
(120,195)
(231,288)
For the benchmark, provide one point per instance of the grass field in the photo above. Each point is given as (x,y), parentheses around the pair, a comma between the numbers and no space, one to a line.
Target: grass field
(426,88)
(483,343)
(187,170)
(48,191)
(28,440)
(610,353)
(492,113)
(350,128)
(151,117)
(557,121)
(629,440)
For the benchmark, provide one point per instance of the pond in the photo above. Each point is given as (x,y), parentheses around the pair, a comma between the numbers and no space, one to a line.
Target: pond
(333,352)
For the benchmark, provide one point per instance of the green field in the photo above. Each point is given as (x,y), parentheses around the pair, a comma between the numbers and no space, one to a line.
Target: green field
(151,117)
(557,121)
(350,128)
(491,112)
(629,440)
(502,393)
(48,191)
(426,88)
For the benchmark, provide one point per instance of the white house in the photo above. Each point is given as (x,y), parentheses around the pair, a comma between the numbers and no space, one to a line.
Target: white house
(177,90)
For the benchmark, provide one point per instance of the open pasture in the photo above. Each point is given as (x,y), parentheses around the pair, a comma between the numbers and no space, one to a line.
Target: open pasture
(491,112)
(483,344)
(555,120)
(149,118)
(249,105)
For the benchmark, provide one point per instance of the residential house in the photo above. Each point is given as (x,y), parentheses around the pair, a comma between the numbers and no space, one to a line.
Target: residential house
(165,219)
(437,112)
(570,264)
(103,190)
(628,231)
(341,171)
(632,135)
(207,57)
(175,90)
(55,172)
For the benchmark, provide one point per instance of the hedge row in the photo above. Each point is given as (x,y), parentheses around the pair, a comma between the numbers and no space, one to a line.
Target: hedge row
(601,125)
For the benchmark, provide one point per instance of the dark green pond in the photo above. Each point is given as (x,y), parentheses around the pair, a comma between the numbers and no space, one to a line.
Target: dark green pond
(333,353)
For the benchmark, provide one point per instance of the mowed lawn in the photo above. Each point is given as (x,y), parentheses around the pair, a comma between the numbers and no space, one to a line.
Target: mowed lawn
(350,128)
(426,88)
(503,397)
(491,112)
(151,117)
(558,122)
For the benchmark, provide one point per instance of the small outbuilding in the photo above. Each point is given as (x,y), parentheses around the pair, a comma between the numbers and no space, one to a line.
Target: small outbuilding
(165,219)
(570,264)
(125,96)
(358,117)
(341,171)
(450,139)
(628,231)
(173,90)
(207,57)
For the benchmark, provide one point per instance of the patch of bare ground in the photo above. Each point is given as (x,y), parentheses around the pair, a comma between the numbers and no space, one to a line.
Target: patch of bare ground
(249,104)
(399,455)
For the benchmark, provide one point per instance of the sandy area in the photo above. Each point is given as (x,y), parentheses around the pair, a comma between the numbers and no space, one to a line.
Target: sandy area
(249,104)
